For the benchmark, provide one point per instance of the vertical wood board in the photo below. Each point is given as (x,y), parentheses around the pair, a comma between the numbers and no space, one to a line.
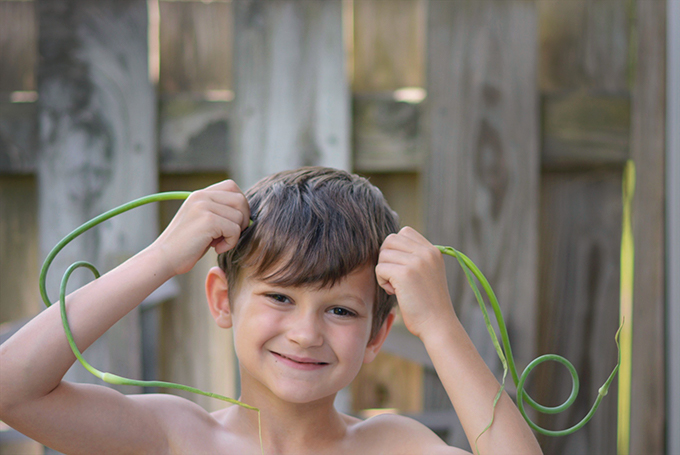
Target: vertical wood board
(97,148)
(584,44)
(387,135)
(196,41)
(18,138)
(649,301)
(18,46)
(19,297)
(389,44)
(292,96)
(482,177)
(578,300)
(673,224)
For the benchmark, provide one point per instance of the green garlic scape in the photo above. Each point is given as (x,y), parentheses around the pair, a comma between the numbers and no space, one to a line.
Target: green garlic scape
(470,269)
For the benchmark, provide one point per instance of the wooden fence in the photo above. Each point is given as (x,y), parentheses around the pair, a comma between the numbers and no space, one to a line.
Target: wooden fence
(515,156)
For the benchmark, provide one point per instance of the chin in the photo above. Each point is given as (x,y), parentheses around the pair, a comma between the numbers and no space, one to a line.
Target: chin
(303,395)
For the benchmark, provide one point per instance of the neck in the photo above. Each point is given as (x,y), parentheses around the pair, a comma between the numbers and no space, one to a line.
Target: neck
(291,427)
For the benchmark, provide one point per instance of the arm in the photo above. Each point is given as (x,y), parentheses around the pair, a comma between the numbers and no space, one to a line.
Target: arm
(413,269)
(85,418)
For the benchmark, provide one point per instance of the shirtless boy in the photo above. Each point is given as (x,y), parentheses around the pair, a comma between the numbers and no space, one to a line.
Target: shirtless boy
(308,290)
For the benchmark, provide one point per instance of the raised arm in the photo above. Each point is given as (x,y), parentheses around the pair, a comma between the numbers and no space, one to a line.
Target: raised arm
(413,269)
(84,418)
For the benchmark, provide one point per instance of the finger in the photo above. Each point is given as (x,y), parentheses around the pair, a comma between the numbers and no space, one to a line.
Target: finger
(383,273)
(225,185)
(236,200)
(394,256)
(224,244)
(400,242)
(229,213)
(224,232)
(414,235)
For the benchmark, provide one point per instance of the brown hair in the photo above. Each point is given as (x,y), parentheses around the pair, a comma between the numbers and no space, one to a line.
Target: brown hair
(313,226)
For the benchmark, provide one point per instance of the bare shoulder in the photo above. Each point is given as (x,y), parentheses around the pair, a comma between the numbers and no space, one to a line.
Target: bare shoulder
(187,425)
(170,407)
(400,434)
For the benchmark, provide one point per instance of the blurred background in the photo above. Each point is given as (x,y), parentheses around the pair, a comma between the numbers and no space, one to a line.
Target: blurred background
(499,127)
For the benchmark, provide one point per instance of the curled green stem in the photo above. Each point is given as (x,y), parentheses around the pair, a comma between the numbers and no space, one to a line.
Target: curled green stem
(508,361)
(470,269)
(109,377)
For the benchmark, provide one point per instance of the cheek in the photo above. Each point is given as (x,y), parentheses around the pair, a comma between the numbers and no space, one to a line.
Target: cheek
(252,327)
(351,341)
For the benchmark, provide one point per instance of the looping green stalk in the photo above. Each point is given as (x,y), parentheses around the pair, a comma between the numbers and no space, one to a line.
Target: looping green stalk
(508,361)
(470,269)
(109,377)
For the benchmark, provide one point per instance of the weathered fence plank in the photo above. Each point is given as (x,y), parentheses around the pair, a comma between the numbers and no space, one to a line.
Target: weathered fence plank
(647,150)
(97,116)
(18,249)
(585,130)
(583,78)
(387,134)
(292,96)
(18,44)
(194,135)
(580,222)
(388,44)
(482,177)
(583,44)
(18,138)
(196,40)
(673,225)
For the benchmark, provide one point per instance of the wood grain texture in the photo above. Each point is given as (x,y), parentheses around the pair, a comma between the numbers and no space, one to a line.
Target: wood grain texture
(292,95)
(585,76)
(583,130)
(196,41)
(584,44)
(194,135)
(18,248)
(673,225)
(647,150)
(18,46)
(97,148)
(579,305)
(482,177)
(387,134)
(18,138)
(389,44)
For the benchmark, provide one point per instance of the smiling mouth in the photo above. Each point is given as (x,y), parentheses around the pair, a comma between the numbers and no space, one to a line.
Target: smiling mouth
(299,360)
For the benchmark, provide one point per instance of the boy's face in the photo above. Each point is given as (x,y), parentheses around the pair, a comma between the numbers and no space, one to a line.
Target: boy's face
(302,343)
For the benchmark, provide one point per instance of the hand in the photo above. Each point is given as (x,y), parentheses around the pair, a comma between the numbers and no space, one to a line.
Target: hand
(413,269)
(214,216)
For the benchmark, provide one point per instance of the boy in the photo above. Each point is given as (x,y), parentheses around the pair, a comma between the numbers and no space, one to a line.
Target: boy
(308,291)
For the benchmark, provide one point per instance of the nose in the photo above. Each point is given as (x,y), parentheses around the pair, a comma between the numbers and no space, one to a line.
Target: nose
(305,330)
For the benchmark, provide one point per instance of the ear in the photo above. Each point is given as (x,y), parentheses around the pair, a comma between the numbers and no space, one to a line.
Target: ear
(217,293)
(376,343)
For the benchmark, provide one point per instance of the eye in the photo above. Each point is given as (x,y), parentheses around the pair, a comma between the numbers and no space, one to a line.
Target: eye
(343,312)
(279,298)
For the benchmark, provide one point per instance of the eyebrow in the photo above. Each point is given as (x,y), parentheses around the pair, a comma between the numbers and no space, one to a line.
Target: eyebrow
(352,297)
